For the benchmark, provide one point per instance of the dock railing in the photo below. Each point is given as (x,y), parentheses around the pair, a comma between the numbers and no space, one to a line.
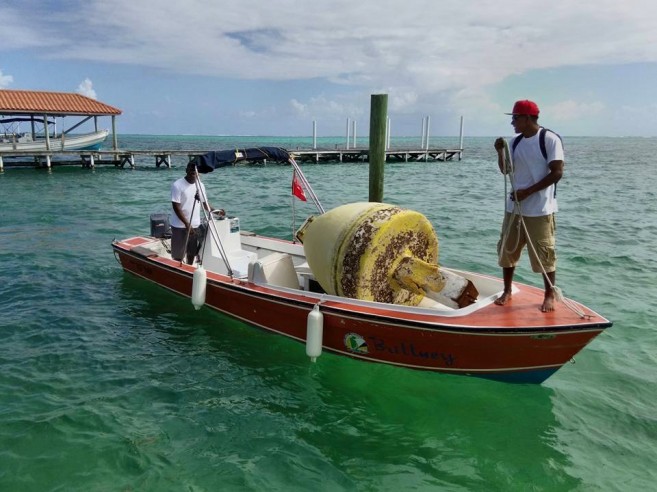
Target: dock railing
(126,157)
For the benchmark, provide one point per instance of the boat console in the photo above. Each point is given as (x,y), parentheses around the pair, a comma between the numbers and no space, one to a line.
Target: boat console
(228,230)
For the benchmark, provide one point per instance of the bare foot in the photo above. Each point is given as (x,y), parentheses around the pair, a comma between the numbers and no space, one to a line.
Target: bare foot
(548,303)
(503,299)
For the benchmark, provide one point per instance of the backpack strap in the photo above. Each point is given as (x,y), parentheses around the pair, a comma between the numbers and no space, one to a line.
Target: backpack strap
(515,143)
(541,142)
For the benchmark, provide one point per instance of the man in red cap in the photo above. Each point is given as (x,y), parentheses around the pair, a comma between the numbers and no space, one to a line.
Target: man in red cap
(537,165)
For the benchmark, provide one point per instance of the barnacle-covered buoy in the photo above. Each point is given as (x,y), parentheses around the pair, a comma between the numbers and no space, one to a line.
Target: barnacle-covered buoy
(378,252)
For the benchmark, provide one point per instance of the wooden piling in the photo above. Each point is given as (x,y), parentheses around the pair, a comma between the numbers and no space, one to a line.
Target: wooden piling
(377,155)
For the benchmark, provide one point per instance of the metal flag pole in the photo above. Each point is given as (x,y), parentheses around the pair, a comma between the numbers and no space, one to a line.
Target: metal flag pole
(306,185)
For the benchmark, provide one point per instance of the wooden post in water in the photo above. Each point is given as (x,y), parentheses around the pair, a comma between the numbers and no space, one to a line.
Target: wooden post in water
(461,139)
(377,151)
(347,143)
(387,133)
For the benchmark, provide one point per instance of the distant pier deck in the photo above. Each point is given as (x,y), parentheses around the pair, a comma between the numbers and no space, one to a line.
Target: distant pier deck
(392,155)
(129,158)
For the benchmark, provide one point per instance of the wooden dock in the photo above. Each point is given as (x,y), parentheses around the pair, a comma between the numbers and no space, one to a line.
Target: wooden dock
(129,158)
(392,155)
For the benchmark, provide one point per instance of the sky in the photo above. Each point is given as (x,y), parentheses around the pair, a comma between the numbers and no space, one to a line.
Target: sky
(256,67)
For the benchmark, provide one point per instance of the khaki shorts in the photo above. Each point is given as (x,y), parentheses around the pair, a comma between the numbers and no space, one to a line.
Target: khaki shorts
(542,233)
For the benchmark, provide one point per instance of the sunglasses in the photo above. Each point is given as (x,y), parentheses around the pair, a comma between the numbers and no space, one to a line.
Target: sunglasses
(515,117)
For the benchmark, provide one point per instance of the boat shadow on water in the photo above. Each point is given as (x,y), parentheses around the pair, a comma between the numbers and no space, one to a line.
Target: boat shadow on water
(355,414)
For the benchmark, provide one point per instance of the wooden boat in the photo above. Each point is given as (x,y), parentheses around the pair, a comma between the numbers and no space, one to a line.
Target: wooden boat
(267,282)
(23,142)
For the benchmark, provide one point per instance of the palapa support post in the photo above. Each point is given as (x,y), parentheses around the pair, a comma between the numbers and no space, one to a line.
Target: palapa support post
(377,157)
(46,130)
(115,141)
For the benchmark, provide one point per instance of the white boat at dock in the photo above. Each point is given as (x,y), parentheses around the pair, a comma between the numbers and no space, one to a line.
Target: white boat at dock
(24,142)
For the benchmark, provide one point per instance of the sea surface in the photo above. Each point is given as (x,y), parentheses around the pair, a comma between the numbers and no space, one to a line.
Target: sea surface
(110,383)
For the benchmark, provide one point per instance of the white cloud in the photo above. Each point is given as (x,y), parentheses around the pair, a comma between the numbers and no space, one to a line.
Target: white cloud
(5,80)
(572,110)
(86,89)
(298,107)
(19,32)
(401,100)
(647,110)
(428,54)
(322,105)
(422,44)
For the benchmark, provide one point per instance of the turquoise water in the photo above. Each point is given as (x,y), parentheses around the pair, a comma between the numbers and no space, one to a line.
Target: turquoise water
(110,383)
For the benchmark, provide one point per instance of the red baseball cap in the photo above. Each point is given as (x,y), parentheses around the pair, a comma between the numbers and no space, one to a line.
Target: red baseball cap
(525,107)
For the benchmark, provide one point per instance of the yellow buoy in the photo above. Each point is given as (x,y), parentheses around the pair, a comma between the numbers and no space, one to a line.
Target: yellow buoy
(374,251)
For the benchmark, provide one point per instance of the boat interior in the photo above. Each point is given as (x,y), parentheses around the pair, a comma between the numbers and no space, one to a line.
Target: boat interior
(282,265)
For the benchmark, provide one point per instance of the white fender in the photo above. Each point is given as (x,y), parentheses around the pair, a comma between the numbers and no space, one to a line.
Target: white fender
(199,284)
(314,333)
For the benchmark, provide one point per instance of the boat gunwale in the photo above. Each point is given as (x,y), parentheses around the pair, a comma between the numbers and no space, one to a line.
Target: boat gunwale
(378,312)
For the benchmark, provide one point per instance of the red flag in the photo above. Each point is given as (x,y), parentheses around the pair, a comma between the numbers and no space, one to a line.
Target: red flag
(297,190)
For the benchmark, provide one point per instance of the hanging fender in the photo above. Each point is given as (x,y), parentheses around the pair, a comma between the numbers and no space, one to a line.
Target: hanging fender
(314,333)
(199,284)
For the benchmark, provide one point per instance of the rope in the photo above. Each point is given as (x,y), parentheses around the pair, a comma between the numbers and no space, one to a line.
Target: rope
(189,229)
(509,174)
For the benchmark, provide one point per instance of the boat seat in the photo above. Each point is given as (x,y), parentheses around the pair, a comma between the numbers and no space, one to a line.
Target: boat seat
(274,269)
(433,304)
(304,269)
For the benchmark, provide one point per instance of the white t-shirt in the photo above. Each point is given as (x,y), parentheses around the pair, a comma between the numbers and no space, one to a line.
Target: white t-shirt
(183,192)
(529,168)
